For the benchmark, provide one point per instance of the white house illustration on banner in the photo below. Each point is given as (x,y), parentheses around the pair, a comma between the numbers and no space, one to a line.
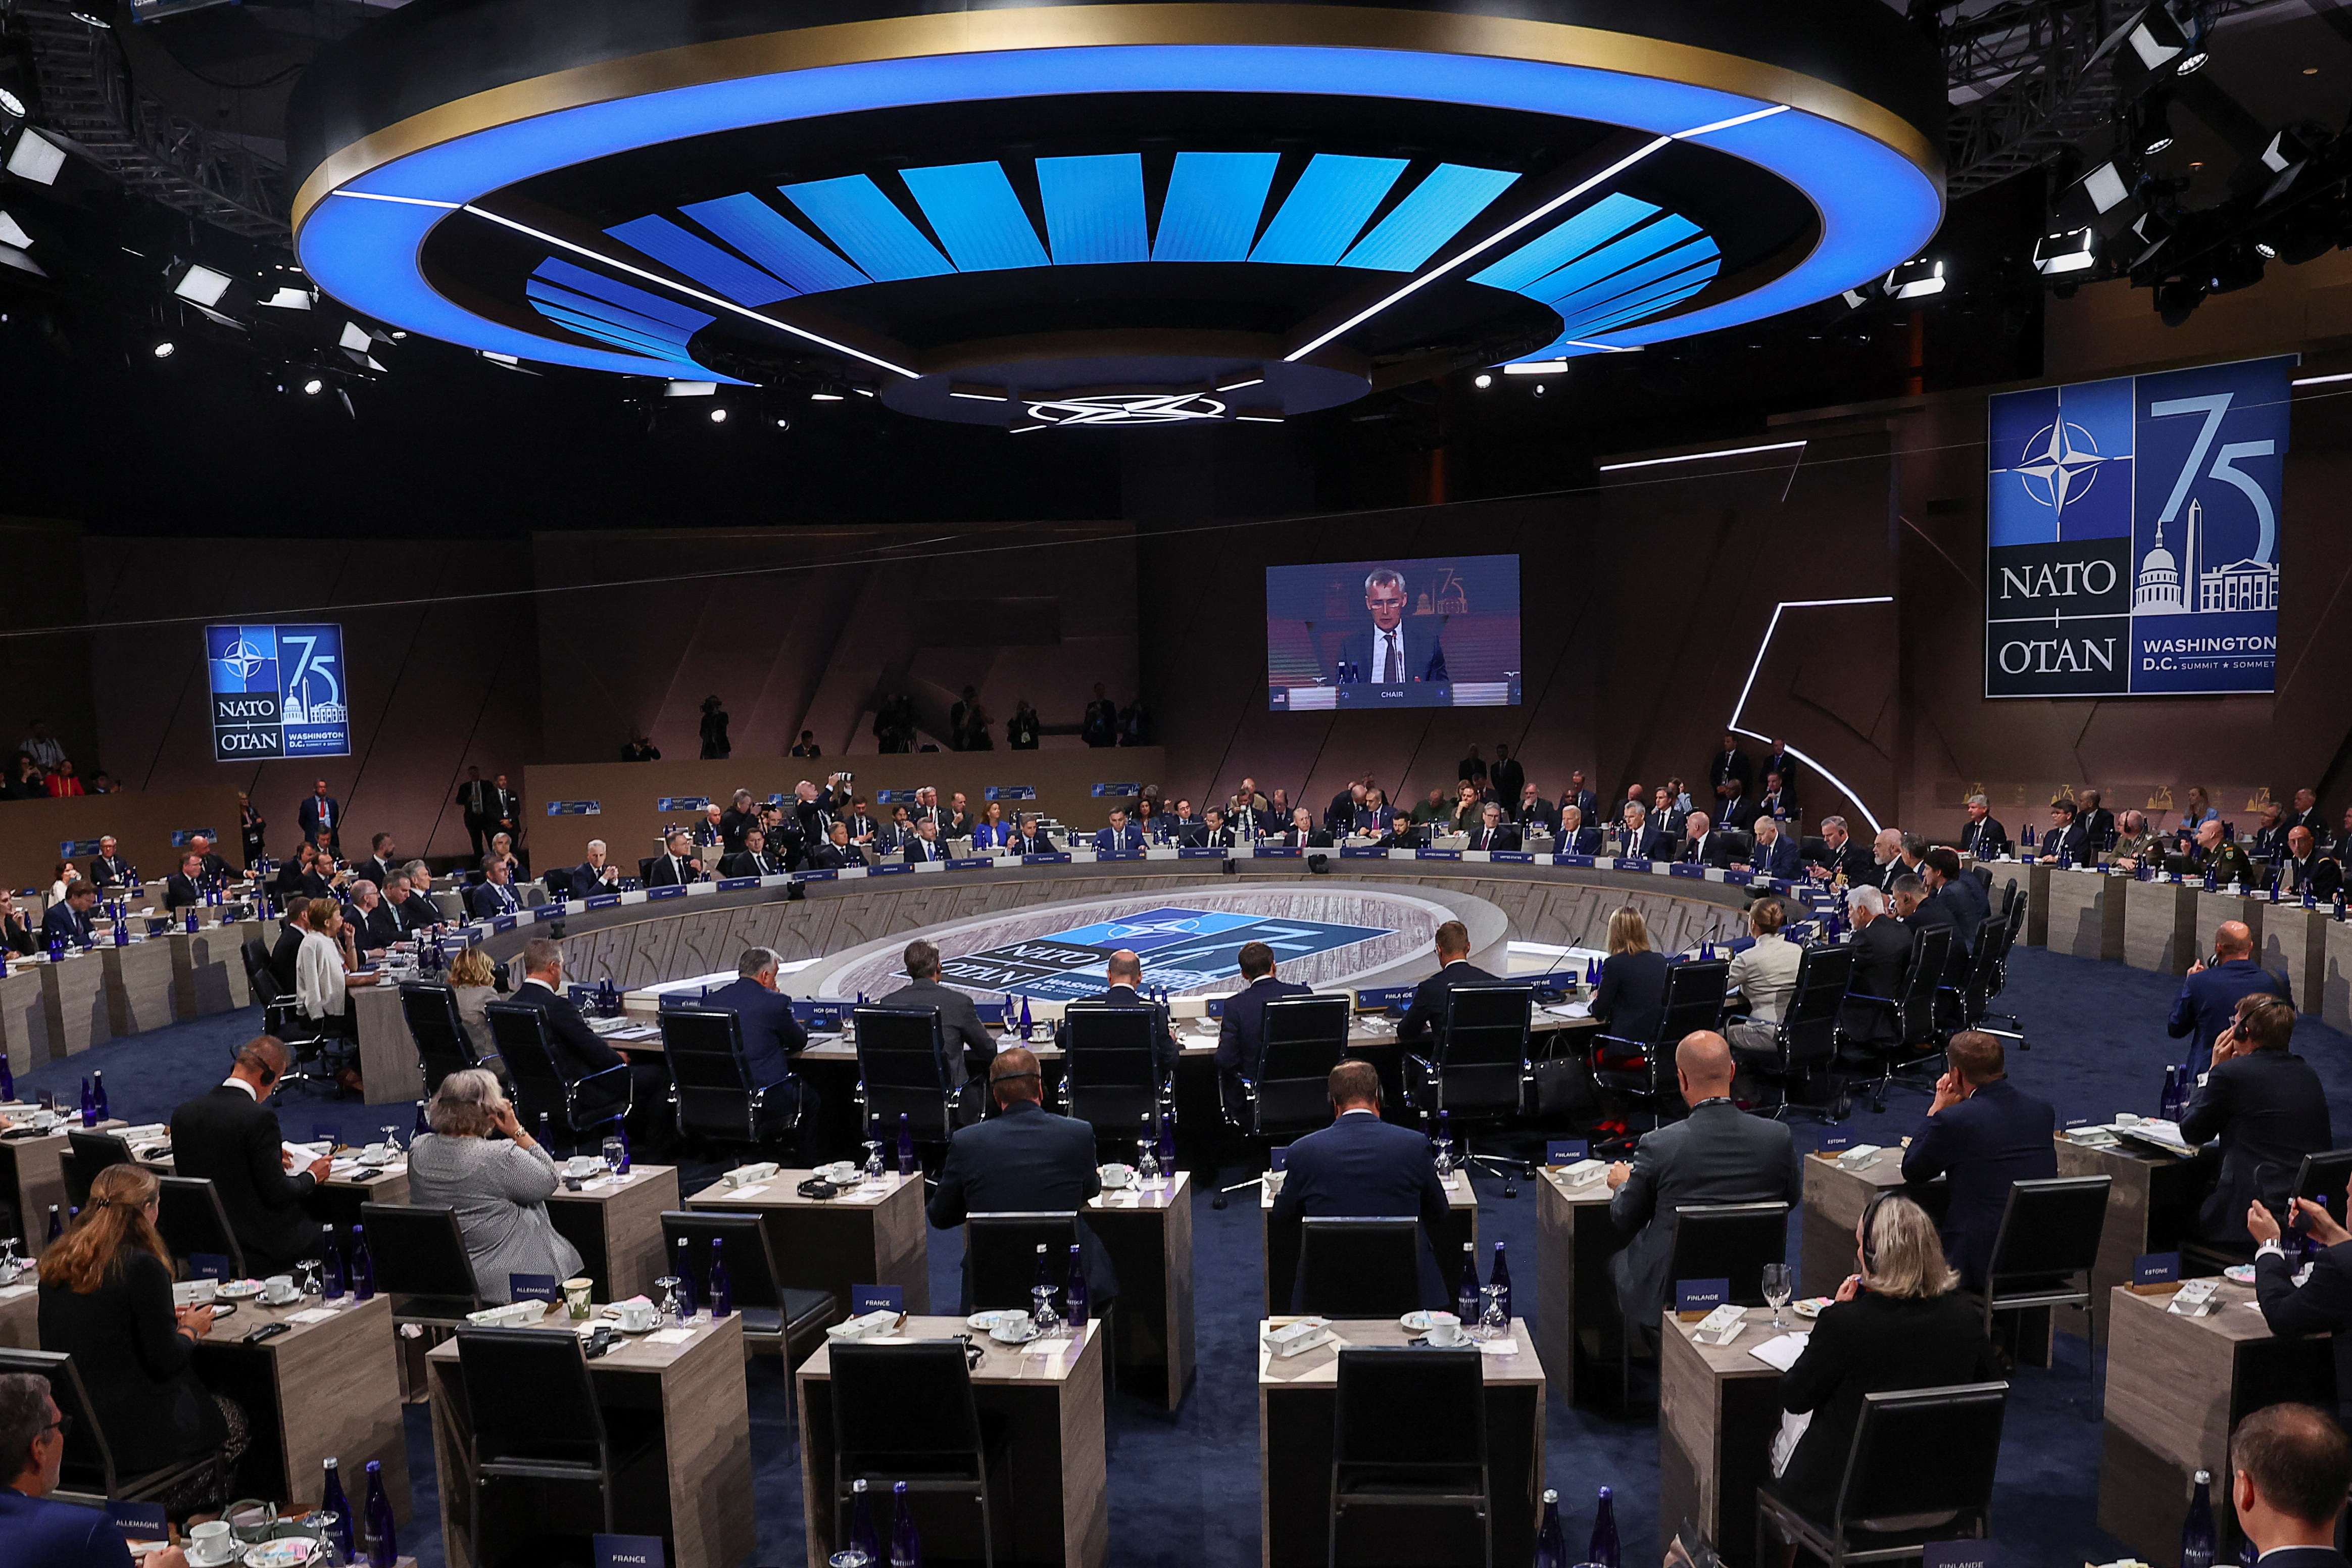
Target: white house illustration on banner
(2164,583)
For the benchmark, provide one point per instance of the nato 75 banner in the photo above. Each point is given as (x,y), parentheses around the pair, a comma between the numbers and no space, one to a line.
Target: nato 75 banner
(278,692)
(2132,537)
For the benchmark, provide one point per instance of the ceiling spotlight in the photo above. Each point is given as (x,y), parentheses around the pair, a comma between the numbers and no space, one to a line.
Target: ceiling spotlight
(2093,196)
(2266,250)
(718,416)
(2154,132)
(1539,389)
(784,422)
(2192,62)
(1484,381)
(166,348)
(90,19)
(200,285)
(11,105)
(312,387)
(2056,254)
(36,157)
(1916,279)
(1535,367)
(691,389)
(822,396)
(290,299)
(496,358)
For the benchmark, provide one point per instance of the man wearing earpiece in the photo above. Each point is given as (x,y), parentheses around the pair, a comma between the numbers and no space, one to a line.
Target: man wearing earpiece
(230,1137)
(1983,1135)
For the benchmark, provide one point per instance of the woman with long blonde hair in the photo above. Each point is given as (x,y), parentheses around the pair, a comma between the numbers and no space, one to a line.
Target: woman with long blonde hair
(105,1300)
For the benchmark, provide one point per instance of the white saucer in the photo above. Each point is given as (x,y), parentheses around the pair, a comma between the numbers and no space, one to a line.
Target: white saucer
(1810,1307)
(1028,1332)
(237,1290)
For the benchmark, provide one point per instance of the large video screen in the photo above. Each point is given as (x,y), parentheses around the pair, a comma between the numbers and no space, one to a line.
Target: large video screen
(1440,632)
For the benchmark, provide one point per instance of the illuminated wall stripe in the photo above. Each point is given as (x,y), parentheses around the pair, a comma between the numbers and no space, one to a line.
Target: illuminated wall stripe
(1214,200)
(776,243)
(1596,225)
(1326,209)
(626,295)
(714,268)
(972,209)
(1435,213)
(868,227)
(1094,208)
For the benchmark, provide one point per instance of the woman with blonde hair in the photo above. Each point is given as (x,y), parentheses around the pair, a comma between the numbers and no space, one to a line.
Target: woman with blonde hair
(473,981)
(105,1300)
(498,1187)
(1631,1000)
(1765,974)
(1899,1322)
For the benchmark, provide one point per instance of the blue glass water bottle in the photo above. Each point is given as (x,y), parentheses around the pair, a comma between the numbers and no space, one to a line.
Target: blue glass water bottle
(89,1106)
(98,1094)
(723,1287)
(381,1546)
(330,1276)
(1604,1549)
(906,1146)
(362,1266)
(1074,1293)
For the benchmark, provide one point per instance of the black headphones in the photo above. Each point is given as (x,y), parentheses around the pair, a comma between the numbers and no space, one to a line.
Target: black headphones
(1869,1248)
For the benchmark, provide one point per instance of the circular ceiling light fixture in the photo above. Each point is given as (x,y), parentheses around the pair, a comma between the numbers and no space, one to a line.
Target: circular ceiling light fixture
(1316,200)
(1128,408)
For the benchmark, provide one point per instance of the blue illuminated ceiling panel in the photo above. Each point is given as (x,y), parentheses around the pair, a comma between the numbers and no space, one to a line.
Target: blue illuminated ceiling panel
(1214,202)
(1435,212)
(628,296)
(1583,231)
(608,312)
(972,209)
(541,292)
(716,269)
(1326,209)
(1666,232)
(776,243)
(868,227)
(1094,208)
(1617,285)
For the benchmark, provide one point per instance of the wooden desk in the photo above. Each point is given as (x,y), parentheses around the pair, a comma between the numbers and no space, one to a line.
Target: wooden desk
(615,1222)
(2294,943)
(2212,909)
(1049,1498)
(1296,1401)
(208,970)
(32,1176)
(330,1386)
(74,996)
(703,1504)
(2085,914)
(1279,1255)
(2151,1204)
(1719,1410)
(138,986)
(1835,1196)
(337,1199)
(2336,976)
(24,1019)
(833,1244)
(2173,1384)
(1574,1240)
(2160,926)
(1148,1234)
(20,1313)
(388,1062)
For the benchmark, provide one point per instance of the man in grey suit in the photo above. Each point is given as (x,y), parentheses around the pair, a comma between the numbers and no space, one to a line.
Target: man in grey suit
(1716,1154)
(959,1019)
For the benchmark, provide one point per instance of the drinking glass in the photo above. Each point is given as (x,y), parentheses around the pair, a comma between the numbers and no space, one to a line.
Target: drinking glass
(1492,1324)
(1042,1312)
(1776,1289)
(391,1137)
(666,1297)
(873,1162)
(614,1153)
(309,1270)
(1443,1147)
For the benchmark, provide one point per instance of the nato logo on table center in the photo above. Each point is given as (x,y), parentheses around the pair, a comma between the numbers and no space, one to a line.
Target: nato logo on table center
(1181,948)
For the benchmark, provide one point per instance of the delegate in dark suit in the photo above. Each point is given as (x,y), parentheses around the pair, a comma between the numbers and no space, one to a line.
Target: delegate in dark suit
(833,858)
(1860,871)
(1881,958)
(744,863)
(2269,1111)
(1024,1160)
(578,1052)
(1714,850)
(225,1137)
(959,1021)
(1716,1154)
(1241,1033)
(1631,999)
(1980,1145)
(1506,838)
(376,930)
(670,870)
(179,893)
(43,1533)
(61,923)
(2322,1304)
(282,955)
(1163,1044)
(109,870)
(1626,845)
(1429,998)
(1985,838)
(313,808)
(2323,877)
(1777,859)
(1424,657)
(135,1365)
(1360,1167)
(2209,1001)
(773,1037)
(488,901)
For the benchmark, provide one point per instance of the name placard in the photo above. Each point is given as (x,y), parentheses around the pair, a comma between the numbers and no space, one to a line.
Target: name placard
(2156,1267)
(865,1299)
(533,1288)
(1701,1295)
(674,891)
(1383,998)
(603,900)
(1056,859)
(1441,854)
(549,911)
(138,1521)
(1567,1150)
(1511,856)
(1961,1554)
(630,1552)
(822,1015)
(729,883)
(208,1265)
(1184,852)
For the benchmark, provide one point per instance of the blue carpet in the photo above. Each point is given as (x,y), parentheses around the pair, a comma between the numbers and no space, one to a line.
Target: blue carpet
(1184,1486)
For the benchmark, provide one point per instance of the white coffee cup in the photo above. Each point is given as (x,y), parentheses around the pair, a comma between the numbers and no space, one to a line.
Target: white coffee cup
(210,1542)
(279,1290)
(1011,1326)
(636,1317)
(1444,1329)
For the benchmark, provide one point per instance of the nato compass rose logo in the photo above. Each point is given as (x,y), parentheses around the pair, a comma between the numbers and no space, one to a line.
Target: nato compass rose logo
(2059,464)
(241,657)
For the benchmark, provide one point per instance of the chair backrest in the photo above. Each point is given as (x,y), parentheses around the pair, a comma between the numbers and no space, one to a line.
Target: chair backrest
(88,1154)
(1111,1079)
(442,1046)
(1444,1389)
(1729,1241)
(558,882)
(520,1035)
(1960,1424)
(902,1065)
(2050,1226)
(1001,1255)
(1480,1049)
(2322,1177)
(89,1468)
(1809,1022)
(902,1399)
(189,1216)
(704,1047)
(1305,1038)
(1931,953)
(1694,992)
(750,1264)
(258,976)
(530,1395)
(419,1252)
(1359,1268)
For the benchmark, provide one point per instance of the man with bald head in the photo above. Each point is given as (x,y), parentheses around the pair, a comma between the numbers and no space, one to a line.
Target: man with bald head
(1716,1154)
(1124,975)
(1023,1160)
(2208,998)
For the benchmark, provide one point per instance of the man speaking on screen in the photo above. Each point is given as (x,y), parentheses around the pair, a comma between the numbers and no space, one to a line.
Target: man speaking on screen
(1386,654)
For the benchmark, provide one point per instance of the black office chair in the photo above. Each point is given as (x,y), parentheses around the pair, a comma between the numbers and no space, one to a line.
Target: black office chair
(557,883)
(1477,1068)
(420,1263)
(190,1218)
(905,1411)
(1731,1242)
(1000,1256)
(1286,1093)
(88,1475)
(717,1100)
(779,1317)
(1436,1458)
(1900,1032)
(1962,998)
(88,1154)
(1643,1071)
(2322,1178)
(2044,1251)
(316,1047)
(575,1107)
(534,1421)
(1111,1079)
(259,978)
(1359,1268)
(1994,977)
(902,1071)
(443,1046)
(1806,1036)
(1884,1480)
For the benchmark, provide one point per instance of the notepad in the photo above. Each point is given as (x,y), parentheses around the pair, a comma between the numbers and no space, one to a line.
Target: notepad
(1780,1350)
